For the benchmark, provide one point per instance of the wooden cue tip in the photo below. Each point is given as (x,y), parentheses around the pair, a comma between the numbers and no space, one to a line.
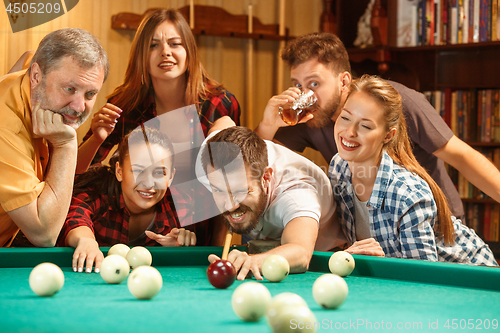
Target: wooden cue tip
(227,244)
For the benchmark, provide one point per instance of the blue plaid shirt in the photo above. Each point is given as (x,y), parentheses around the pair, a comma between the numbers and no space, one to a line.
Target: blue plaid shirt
(402,214)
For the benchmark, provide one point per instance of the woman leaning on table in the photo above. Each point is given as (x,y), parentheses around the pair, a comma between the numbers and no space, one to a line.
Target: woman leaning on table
(383,192)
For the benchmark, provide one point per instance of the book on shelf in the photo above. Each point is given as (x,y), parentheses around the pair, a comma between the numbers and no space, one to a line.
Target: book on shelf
(464,12)
(487,117)
(470,21)
(495,109)
(445,26)
(476,20)
(454,112)
(404,24)
(453,12)
(473,218)
(486,222)
(473,114)
(484,20)
(460,21)
(446,115)
(436,22)
(494,20)
(495,223)
(422,23)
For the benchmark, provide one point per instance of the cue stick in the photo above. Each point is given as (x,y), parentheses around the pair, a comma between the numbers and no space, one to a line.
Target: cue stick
(229,232)
(227,244)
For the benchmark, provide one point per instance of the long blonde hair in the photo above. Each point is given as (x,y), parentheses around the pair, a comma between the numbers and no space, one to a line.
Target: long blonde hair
(137,82)
(399,147)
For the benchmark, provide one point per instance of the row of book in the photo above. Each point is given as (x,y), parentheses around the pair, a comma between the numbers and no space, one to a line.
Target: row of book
(465,189)
(440,22)
(473,115)
(484,219)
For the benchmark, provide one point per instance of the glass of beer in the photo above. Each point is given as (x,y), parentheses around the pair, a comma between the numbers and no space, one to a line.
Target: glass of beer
(301,107)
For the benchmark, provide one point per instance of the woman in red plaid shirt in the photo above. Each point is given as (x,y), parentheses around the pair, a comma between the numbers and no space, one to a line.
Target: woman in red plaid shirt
(129,202)
(165,82)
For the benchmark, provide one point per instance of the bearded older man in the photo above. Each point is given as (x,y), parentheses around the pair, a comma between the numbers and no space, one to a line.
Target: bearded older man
(41,108)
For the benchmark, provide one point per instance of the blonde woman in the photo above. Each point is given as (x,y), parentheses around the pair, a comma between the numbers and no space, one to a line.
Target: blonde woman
(384,193)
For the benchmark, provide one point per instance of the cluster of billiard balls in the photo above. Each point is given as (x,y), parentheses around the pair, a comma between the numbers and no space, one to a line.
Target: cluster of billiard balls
(252,300)
(144,282)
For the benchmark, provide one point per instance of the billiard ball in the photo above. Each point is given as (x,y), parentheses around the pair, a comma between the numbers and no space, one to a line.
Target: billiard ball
(144,282)
(250,300)
(139,256)
(300,315)
(341,263)
(46,279)
(330,291)
(275,268)
(221,274)
(281,301)
(114,269)
(120,249)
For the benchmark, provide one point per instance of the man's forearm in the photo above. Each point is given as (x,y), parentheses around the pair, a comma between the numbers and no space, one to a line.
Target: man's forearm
(298,257)
(266,131)
(53,203)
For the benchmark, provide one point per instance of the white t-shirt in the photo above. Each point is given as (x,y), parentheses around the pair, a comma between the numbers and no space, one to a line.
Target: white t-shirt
(298,188)
(361,219)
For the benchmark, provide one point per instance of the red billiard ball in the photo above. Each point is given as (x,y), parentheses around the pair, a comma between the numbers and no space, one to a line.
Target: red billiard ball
(221,274)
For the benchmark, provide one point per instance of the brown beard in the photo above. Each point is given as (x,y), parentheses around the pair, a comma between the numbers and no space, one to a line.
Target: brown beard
(323,116)
(253,214)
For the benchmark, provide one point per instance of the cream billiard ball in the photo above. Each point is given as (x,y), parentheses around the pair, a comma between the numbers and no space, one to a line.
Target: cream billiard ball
(250,300)
(120,249)
(144,282)
(46,279)
(275,268)
(294,319)
(114,269)
(139,256)
(280,302)
(341,263)
(330,291)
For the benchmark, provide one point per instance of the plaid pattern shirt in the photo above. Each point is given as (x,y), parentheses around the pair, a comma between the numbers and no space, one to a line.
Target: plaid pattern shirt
(402,214)
(224,104)
(111,227)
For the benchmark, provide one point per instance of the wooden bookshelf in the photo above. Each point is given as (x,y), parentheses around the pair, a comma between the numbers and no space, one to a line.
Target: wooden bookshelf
(435,67)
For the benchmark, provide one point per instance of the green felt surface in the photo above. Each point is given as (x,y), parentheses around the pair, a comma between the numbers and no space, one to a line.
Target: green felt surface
(188,303)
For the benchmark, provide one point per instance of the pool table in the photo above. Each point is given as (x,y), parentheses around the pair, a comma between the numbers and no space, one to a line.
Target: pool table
(384,294)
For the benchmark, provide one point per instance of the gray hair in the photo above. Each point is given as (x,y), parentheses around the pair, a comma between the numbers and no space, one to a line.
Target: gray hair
(79,44)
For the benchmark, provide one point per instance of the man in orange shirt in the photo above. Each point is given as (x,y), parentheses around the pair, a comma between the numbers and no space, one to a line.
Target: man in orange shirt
(41,108)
